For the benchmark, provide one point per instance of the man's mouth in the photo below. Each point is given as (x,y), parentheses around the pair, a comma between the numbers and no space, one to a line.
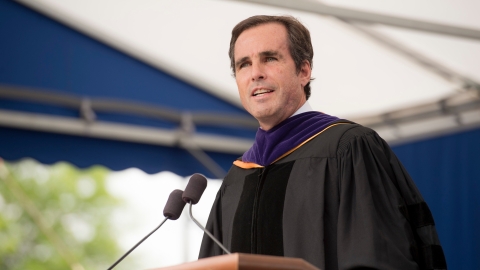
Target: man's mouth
(261,92)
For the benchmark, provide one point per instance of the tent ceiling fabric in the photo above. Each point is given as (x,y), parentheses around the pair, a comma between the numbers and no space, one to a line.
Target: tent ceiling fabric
(392,80)
(355,76)
(364,70)
(65,96)
(369,17)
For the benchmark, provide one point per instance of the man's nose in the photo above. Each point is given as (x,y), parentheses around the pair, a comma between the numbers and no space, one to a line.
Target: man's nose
(258,72)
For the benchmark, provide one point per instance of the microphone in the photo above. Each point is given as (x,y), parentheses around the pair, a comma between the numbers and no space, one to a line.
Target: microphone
(173,209)
(194,190)
(175,204)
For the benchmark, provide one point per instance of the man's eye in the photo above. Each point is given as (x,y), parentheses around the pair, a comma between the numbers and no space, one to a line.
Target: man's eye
(242,65)
(270,59)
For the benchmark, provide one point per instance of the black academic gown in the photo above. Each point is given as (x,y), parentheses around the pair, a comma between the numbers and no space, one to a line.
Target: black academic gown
(340,201)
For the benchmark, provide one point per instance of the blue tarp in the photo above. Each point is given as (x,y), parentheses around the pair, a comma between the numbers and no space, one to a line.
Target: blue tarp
(447,172)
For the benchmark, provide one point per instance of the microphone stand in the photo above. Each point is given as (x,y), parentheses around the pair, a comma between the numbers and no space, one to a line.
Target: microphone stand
(206,231)
(128,252)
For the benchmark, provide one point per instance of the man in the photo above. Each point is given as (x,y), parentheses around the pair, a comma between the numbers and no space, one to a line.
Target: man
(312,186)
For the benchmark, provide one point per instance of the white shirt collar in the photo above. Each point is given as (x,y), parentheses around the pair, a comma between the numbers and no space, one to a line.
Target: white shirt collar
(305,108)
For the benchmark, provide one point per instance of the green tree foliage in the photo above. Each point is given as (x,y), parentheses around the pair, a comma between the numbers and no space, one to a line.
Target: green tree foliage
(55,217)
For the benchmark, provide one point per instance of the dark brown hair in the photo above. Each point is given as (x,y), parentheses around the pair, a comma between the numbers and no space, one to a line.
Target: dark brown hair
(300,44)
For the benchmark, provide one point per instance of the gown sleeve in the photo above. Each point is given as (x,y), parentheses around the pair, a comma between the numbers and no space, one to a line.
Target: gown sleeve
(383,221)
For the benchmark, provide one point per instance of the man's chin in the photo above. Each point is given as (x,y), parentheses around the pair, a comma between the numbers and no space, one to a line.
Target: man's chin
(268,121)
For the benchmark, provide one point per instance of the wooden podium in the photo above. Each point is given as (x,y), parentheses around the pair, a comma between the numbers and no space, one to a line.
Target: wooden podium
(240,261)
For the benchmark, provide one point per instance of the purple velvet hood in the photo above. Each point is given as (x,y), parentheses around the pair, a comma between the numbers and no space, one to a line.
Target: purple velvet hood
(270,145)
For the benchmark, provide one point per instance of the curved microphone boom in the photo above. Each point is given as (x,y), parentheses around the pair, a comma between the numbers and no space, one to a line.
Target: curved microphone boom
(173,209)
(194,190)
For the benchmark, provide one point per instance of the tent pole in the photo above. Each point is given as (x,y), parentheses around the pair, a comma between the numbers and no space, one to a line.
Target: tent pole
(208,162)
(187,129)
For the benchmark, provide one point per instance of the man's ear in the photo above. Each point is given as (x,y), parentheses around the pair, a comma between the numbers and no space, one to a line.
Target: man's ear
(305,72)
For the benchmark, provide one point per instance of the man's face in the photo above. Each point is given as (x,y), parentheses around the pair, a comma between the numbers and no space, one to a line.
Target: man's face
(270,88)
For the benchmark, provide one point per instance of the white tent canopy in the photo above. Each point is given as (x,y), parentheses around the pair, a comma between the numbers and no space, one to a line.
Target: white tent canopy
(371,73)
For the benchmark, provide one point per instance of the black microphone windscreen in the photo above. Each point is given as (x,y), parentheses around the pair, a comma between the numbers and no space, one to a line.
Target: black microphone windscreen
(174,207)
(195,187)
